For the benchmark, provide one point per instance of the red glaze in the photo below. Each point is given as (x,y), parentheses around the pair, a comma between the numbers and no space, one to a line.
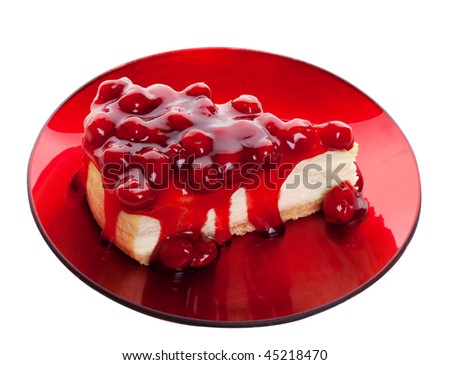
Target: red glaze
(198,89)
(133,130)
(178,122)
(247,104)
(182,144)
(176,253)
(134,192)
(335,135)
(205,252)
(344,204)
(187,250)
(156,166)
(98,129)
(197,143)
(298,134)
(139,102)
(110,90)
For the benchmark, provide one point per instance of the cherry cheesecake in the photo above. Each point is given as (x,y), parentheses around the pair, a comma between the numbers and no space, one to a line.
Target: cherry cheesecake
(171,176)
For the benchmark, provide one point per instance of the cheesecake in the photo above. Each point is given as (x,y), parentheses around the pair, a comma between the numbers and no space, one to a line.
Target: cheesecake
(171,176)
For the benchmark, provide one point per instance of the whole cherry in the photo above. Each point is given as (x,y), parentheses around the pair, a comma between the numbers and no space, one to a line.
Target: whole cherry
(335,135)
(178,121)
(197,143)
(198,89)
(111,90)
(176,253)
(98,129)
(344,204)
(247,104)
(132,129)
(139,101)
(205,252)
(298,134)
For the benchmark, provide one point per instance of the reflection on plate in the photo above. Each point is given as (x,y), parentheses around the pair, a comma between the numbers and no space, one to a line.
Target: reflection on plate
(256,281)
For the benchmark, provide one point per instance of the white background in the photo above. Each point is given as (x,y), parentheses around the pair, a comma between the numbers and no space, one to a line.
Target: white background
(397,54)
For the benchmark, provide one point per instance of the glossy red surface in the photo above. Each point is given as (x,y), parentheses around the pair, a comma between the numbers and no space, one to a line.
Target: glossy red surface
(344,204)
(256,281)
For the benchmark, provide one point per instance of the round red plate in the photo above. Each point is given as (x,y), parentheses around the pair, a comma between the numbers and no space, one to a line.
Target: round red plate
(256,281)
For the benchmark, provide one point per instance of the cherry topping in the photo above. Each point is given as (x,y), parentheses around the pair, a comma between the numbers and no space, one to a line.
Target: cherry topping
(226,158)
(176,253)
(178,122)
(205,252)
(344,204)
(197,143)
(134,191)
(247,104)
(198,89)
(156,166)
(114,160)
(203,178)
(138,101)
(176,154)
(335,135)
(115,153)
(132,130)
(157,135)
(231,164)
(249,134)
(160,91)
(263,154)
(206,107)
(298,134)
(142,134)
(99,129)
(110,90)
(272,124)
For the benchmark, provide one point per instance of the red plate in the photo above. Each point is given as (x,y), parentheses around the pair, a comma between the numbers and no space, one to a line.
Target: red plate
(255,282)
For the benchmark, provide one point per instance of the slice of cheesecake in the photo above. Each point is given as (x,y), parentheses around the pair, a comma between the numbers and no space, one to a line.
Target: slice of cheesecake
(171,175)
